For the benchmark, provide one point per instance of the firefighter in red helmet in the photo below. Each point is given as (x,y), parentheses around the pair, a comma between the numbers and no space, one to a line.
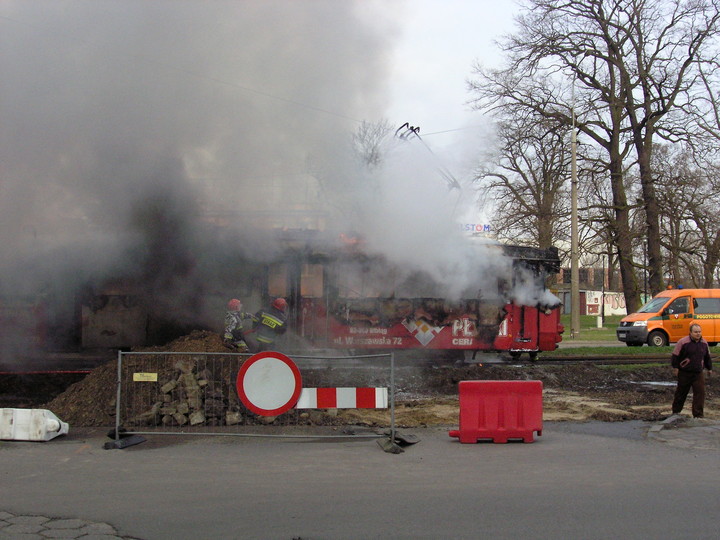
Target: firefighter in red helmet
(268,325)
(234,321)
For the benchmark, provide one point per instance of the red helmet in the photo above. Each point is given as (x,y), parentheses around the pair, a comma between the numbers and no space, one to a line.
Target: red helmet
(234,305)
(280,304)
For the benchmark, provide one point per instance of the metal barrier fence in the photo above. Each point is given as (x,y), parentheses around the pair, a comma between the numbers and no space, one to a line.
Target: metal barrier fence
(194,393)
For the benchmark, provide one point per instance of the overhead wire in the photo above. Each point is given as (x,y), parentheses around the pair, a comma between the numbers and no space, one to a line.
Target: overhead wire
(407,132)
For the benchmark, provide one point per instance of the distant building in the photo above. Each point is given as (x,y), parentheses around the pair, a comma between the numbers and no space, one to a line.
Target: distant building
(594,292)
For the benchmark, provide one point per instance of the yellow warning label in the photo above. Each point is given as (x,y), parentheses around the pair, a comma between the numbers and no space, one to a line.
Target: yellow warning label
(144,377)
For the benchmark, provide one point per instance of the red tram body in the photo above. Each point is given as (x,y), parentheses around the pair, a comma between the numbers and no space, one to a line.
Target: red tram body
(339,300)
(326,316)
(523,329)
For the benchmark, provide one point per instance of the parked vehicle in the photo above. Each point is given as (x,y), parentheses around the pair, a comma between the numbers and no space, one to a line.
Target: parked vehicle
(667,318)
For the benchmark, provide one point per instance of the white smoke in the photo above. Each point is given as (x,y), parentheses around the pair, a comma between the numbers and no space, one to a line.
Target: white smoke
(528,290)
(411,216)
(124,124)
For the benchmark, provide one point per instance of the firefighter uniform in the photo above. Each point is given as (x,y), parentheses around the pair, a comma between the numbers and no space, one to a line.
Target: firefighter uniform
(268,325)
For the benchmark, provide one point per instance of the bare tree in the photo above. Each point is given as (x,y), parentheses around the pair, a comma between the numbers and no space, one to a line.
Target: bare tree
(688,196)
(348,179)
(529,85)
(368,142)
(596,210)
(703,108)
(656,46)
(632,61)
(527,184)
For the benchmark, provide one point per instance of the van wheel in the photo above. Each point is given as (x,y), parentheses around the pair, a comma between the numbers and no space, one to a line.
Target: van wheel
(657,339)
(712,343)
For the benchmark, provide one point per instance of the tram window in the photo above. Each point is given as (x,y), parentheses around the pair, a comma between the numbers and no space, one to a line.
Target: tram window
(354,281)
(348,280)
(277,280)
(311,281)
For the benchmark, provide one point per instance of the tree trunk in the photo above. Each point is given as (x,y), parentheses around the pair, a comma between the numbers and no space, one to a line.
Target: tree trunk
(711,262)
(643,148)
(623,237)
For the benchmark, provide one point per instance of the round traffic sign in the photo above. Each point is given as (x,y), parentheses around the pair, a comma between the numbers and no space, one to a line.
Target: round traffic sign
(269,383)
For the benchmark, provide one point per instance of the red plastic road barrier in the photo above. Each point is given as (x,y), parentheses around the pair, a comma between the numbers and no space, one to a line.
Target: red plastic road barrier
(499,410)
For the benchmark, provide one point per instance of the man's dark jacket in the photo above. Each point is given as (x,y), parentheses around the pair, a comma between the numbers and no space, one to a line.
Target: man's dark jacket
(691,355)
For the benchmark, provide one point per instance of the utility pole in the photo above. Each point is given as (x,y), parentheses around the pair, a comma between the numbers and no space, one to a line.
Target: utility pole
(574,257)
(604,285)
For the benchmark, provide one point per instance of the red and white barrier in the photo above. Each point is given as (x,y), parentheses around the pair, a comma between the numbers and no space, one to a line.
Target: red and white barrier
(343,398)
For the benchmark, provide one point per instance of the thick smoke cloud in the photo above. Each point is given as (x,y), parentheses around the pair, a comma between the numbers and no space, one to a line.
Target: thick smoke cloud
(124,121)
(124,124)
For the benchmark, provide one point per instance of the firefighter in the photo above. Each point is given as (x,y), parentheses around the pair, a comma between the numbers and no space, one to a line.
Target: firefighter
(234,317)
(268,325)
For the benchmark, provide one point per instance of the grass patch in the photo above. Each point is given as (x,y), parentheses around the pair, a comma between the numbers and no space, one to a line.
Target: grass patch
(630,352)
(589,330)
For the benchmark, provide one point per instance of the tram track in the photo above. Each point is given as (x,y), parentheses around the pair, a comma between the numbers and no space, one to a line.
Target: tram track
(607,358)
(602,359)
(596,361)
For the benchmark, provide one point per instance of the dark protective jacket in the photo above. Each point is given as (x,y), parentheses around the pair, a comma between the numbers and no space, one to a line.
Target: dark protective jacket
(690,355)
(268,325)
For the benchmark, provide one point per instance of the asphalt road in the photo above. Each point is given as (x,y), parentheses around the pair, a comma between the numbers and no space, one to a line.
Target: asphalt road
(577,481)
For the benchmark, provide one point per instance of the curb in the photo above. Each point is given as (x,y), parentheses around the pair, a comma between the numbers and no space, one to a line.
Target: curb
(671,420)
(684,432)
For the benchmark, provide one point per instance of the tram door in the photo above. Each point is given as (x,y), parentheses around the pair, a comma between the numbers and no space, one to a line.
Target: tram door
(527,333)
(301,284)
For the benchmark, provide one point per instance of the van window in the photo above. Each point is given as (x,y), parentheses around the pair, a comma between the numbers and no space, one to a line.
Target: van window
(707,305)
(679,305)
(654,305)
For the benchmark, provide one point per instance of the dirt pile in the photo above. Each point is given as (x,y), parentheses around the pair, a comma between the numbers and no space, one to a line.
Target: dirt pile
(92,401)
(428,395)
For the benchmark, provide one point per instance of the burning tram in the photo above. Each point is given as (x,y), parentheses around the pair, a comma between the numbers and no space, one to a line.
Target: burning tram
(338,298)
(350,300)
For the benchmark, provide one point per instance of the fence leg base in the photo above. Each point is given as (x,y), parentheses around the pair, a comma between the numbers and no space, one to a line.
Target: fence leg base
(389,446)
(403,438)
(124,442)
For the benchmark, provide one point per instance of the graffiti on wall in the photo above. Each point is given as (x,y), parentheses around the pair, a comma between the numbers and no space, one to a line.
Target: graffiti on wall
(614,302)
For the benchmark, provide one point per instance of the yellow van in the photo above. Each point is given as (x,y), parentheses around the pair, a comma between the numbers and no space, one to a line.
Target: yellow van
(667,317)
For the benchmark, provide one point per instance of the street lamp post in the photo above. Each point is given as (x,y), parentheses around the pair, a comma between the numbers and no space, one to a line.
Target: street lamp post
(574,258)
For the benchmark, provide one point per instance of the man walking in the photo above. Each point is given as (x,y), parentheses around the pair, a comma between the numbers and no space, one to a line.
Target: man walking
(690,355)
